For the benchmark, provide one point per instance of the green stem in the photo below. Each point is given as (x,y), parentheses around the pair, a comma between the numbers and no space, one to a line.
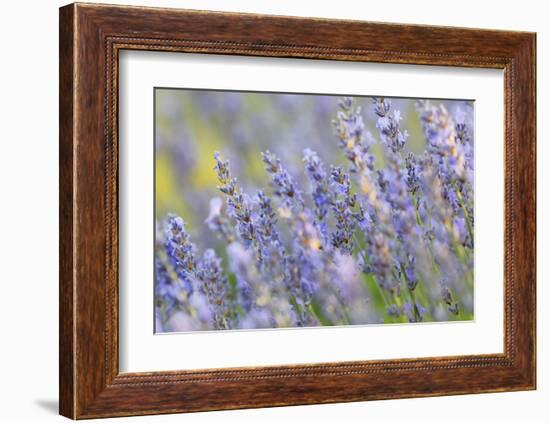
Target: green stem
(417,315)
(466,214)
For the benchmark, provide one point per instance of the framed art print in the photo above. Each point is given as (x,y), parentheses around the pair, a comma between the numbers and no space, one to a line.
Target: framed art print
(261,211)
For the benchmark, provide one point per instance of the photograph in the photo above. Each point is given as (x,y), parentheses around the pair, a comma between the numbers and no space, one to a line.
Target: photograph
(320,210)
(298,210)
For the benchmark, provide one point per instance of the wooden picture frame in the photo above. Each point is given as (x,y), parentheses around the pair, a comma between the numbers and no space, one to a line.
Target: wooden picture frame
(91,36)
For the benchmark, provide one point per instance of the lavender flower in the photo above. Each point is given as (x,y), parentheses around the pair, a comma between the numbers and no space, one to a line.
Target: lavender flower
(167,290)
(215,286)
(414,312)
(378,234)
(388,125)
(181,252)
(342,209)
(394,310)
(270,246)
(350,130)
(414,172)
(448,299)
(281,181)
(321,193)
(237,202)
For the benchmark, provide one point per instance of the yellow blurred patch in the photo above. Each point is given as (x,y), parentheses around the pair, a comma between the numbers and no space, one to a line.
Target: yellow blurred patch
(314,243)
(208,142)
(167,189)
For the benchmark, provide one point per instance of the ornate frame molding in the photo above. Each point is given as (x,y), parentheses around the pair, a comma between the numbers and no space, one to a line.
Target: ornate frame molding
(91,37)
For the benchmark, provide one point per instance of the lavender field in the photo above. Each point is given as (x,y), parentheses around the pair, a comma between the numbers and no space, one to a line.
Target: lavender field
(293,210)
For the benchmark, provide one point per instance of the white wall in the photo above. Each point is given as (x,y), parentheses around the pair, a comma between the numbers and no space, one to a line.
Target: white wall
(28,208)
